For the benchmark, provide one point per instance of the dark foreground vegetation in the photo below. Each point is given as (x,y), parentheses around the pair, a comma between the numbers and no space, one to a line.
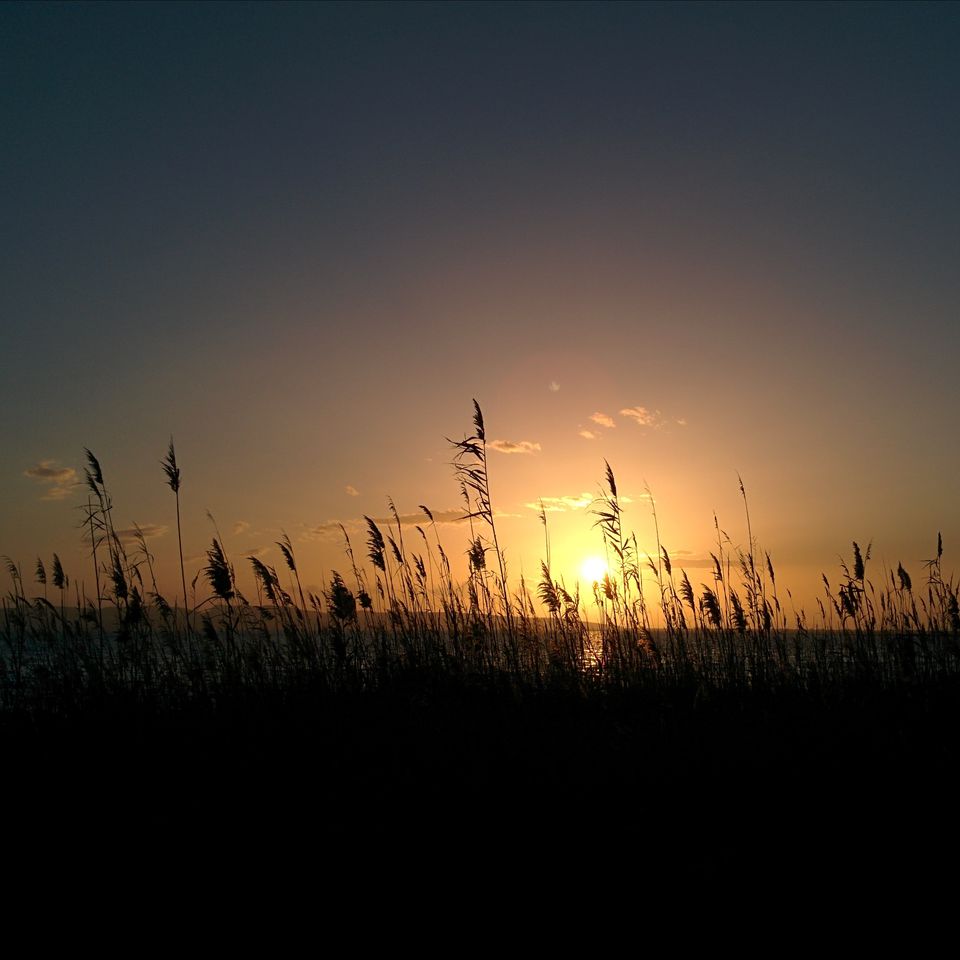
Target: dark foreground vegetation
(402,717)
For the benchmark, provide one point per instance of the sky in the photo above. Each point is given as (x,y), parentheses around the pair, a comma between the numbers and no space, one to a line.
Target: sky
(695,241)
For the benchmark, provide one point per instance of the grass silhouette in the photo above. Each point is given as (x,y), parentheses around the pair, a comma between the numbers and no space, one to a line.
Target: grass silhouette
(483,709)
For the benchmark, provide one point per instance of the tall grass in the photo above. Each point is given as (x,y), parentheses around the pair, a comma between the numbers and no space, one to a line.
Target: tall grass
(403,611)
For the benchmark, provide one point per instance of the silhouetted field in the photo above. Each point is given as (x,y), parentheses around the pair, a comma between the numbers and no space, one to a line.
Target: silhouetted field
(403,715)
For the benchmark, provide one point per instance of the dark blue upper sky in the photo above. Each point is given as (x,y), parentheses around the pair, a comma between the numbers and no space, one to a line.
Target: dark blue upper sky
(130,127)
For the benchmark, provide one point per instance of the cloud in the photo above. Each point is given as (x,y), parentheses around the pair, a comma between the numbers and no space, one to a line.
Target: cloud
(148,530)
(509,446)
(562,504)
(554,386)
(604,419)
(588,435)
(413,519)
(687,560)
(59,481)
(645,417)
(240,526)
(48,472)
(328,530)
(642,416)
(351,490)
(57,493)
(331,529)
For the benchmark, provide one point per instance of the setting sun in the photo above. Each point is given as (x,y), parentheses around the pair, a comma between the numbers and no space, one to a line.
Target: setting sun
(593,569)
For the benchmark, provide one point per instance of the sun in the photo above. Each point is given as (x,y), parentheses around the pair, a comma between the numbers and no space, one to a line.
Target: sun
(593,569)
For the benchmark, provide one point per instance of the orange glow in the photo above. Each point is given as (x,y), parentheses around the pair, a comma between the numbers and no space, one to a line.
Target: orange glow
(593,569)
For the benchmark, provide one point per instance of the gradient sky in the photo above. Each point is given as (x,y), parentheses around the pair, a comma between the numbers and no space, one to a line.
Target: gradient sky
(693,240)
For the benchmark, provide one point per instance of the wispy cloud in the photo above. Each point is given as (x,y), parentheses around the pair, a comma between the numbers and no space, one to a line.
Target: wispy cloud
(57,493)
(562,504)
(57,481)
(509,446)
(554,386)
(413,519)
(328,530)
(149,531)
(688,560)
(603,420)
(47,471)
(642,416)
(240,526)
(588,435)
(645,417)
(351,490)
(331,529)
